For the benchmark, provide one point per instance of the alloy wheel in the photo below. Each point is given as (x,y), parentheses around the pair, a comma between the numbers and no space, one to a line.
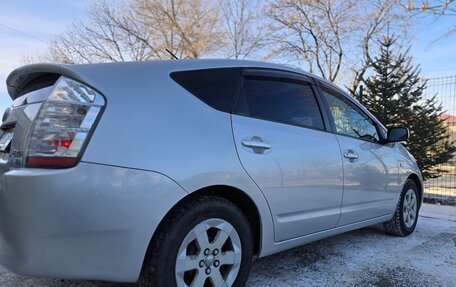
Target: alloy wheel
(409,208)
(210,255)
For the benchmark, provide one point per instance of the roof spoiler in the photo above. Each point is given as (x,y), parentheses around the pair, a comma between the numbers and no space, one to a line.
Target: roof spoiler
(19,79)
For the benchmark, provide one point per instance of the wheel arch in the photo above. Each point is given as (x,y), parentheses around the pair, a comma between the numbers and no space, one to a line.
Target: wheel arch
(233,194)
(245,204)
(414,177)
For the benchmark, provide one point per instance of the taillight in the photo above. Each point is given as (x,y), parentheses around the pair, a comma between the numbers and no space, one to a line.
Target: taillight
(63,125)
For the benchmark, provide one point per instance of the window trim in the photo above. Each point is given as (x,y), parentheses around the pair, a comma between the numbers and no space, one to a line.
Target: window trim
(276,75)
(341,95)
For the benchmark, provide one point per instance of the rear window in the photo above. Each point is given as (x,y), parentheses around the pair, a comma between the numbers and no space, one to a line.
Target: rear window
(215,87)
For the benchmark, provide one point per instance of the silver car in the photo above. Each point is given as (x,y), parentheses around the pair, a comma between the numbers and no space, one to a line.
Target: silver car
(178,173)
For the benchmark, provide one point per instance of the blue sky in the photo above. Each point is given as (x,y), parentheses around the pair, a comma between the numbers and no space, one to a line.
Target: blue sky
(437,58)
(44,18)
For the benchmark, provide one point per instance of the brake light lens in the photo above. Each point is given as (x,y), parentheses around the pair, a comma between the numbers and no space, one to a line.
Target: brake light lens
(63,125)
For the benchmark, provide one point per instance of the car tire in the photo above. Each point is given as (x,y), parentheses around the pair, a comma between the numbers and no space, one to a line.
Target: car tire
(206,219)
(405,217)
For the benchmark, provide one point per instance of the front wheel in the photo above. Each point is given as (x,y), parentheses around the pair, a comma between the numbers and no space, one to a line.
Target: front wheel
(205,242)
(406,215)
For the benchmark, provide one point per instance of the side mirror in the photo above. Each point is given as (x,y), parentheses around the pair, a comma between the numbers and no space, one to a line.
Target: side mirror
(397,134)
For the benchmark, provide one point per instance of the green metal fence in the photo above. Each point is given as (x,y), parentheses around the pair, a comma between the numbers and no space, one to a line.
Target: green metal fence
(443,188)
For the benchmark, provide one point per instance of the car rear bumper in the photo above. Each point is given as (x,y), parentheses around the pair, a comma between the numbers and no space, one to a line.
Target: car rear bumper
(88,222)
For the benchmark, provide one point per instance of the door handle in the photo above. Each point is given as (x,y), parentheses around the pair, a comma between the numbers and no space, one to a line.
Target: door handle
(350,154)
(255,144)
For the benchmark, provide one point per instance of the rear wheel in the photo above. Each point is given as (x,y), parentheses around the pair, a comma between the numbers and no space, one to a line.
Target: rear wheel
(406,215)
(206,242)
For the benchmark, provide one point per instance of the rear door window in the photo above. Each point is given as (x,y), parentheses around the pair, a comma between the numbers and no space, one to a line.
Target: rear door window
(215,87)
(284,101)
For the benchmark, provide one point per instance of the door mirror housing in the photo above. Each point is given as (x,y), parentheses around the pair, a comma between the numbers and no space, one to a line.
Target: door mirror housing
(397,134)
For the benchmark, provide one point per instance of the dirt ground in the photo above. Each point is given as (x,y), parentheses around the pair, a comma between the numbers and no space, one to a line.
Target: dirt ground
(366,257)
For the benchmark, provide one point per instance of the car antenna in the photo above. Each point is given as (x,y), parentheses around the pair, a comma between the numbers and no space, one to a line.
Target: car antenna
(171,53)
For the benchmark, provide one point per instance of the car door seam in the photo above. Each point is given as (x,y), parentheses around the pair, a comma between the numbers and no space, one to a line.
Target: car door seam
(343,180)
(254,182)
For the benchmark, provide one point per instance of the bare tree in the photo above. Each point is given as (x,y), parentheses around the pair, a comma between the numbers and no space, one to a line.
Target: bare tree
(189,29)
(243,28)
(140,30)
(437,8)
(313,30)
(375,19)
(103,38)
(330,35)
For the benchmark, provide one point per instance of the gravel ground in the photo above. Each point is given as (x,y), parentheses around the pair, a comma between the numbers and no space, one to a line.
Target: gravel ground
(366,257)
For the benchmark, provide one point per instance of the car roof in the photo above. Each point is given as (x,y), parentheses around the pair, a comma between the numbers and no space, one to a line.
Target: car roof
(20,77)
(206,63)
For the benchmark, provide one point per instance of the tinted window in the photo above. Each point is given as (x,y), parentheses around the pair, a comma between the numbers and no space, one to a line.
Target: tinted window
(349,120)
(280,101)
(215,87)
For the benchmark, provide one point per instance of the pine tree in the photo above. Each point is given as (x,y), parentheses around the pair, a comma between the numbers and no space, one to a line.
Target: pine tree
(394,94)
